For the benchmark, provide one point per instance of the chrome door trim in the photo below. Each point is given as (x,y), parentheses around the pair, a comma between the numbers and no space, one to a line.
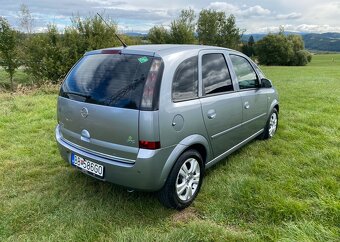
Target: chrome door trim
(237,126)
(225,154)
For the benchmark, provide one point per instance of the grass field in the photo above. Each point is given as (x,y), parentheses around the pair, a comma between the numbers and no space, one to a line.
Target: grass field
(284,189)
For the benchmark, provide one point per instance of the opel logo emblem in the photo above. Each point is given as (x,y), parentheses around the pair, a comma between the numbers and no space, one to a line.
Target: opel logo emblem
(84,112)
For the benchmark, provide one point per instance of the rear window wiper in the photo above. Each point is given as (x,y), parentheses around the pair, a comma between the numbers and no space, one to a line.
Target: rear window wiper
(123,92)
(78,94)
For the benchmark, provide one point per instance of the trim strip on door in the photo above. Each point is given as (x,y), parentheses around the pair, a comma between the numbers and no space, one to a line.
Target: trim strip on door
(237,126)
(225,154)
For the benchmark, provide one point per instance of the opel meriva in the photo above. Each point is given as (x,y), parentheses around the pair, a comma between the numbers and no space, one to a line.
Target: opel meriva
(154,117)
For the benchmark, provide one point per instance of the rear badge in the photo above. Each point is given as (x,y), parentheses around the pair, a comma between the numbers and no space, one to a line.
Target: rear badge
(130,140)
(84,112)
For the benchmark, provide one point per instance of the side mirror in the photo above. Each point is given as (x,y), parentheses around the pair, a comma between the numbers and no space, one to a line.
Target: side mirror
(265,83)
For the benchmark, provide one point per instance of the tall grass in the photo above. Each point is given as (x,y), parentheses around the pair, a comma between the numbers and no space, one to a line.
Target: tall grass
(283,189)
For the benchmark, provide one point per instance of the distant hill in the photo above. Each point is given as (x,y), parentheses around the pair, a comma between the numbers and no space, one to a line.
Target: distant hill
(135,34)
(322,42)
(313,42)
(258,37)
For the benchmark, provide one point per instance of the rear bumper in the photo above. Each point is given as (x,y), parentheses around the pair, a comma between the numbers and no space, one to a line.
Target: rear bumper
(147,173)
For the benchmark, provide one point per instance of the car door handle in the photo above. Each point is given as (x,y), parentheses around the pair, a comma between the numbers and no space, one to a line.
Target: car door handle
(246,105)
(211,114)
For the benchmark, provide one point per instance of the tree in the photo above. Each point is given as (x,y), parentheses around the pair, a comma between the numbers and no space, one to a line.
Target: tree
(9,59)
(214,28)
(50,55)
(274,49)
(207,26)
(158,35)
(182,30)
(94,33)
(230,35)
(251,41)
(251,49)
(87,34)
(26,19)
(279,49)
(248,48)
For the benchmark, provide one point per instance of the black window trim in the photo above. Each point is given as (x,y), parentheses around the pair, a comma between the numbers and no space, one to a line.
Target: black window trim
(219,94)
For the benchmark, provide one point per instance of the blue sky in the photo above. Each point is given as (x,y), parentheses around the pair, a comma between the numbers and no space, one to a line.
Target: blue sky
(254,16)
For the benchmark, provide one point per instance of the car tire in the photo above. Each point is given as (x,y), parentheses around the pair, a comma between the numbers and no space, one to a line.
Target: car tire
(271,125)
(184,181)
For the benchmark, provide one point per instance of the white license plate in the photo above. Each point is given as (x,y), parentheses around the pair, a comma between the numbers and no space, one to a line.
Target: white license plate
(87,165)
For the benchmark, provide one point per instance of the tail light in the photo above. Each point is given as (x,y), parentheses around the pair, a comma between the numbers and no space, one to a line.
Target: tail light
(150,145)
(151,87)
(150,97)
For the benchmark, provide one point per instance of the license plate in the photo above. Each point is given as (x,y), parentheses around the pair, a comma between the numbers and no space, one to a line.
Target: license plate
(87,165)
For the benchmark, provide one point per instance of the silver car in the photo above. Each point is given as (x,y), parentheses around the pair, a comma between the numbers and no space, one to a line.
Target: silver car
(154,117)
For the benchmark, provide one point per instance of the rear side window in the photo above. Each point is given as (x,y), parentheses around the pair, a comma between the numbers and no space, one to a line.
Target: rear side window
(215,74)
(185,83)
(115,80)
(245,73)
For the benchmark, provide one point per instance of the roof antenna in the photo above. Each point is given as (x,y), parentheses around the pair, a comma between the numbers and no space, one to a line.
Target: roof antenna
(121,41)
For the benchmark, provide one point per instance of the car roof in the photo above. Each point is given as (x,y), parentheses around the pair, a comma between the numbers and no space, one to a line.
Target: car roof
(161,49)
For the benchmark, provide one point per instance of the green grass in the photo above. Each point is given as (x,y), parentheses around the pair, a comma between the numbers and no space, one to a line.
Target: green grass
(283,189)
(327,60)
(19,78)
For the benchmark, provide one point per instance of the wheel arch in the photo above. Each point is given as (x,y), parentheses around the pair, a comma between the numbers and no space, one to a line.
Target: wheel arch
(200,149)
(197,142)
(274,104)
(277,107)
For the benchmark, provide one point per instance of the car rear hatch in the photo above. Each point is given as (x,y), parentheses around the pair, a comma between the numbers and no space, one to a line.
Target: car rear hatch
(100,101)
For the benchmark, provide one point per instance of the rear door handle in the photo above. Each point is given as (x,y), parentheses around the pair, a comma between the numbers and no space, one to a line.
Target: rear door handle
(211,114)
(246,105)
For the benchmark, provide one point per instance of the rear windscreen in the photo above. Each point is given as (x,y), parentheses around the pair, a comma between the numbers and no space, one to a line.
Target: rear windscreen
(115,80)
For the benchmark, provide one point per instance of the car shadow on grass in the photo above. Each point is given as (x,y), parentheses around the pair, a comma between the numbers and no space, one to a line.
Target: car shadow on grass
(112,200)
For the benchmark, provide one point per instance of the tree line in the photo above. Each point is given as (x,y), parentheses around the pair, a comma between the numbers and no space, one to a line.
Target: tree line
(212,28)
(48,56)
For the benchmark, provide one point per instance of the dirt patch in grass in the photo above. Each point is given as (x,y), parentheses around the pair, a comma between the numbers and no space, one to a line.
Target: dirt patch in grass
(185,215)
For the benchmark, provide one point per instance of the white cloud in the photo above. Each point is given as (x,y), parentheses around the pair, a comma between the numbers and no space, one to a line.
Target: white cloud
(251,15)
(106,2)
(243,11)
(325,13)
(255,11)
(223,6)
(40,29)
(304,28)
(317,28)
(289,16)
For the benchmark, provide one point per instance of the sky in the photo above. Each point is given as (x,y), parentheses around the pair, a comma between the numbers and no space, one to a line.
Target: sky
(252,16)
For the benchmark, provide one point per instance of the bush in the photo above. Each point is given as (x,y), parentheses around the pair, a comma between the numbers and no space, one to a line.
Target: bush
(302,58)
(278,49)
(50,55)
(158,35)
(9,57)
(46,56)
